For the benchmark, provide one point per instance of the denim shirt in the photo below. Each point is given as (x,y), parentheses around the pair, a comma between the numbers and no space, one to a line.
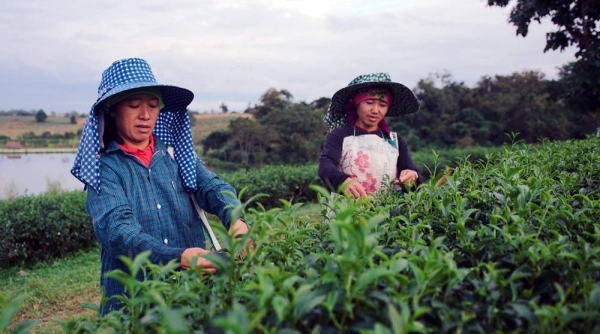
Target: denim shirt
(140,208)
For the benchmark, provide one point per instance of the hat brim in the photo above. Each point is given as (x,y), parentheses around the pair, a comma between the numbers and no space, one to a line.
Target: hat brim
(403,102)
(174,98)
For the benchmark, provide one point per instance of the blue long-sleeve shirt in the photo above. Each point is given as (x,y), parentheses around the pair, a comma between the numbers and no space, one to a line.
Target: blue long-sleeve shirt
(140,208)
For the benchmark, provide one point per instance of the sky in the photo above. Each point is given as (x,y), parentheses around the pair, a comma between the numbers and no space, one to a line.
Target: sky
(232,51)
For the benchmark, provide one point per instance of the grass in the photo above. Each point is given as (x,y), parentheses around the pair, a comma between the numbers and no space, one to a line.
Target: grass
(14,126)
(207,123)
(54,290)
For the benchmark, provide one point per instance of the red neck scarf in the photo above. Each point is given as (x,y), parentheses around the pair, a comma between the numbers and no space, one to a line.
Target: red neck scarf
(144,155)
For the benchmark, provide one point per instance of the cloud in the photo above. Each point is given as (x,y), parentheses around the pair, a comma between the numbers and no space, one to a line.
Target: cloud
(233,51)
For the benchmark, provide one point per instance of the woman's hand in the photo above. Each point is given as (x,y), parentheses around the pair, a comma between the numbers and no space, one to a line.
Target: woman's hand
(237,230)
(188,256)
(354,188)
(408,176)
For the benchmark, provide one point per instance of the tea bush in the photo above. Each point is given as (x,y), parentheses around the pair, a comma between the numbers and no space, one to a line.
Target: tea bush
(291,183)
(510,243)
(435,160)
(34,228)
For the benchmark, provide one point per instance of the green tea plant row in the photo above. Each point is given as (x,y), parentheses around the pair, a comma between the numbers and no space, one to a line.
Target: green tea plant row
(48,226)
(292,183)
(42,227)
(510,243)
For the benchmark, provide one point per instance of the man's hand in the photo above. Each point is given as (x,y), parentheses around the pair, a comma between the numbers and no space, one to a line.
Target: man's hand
(237,230)
(188,255)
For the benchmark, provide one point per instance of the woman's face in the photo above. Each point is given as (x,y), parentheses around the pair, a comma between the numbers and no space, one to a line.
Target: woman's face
(135,118)
(370,113)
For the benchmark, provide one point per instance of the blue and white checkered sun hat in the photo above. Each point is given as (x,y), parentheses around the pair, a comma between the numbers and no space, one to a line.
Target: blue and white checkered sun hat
(172,126)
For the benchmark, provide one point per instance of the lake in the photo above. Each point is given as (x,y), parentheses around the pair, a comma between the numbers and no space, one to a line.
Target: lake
(33,173)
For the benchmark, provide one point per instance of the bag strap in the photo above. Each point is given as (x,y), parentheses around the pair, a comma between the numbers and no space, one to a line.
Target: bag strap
(202,216)
(394,139)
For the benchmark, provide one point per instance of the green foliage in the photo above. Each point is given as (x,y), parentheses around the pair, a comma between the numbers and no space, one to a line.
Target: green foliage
(251,138)
(47,139)
(582,81)
(281,132)
(507,244)
(214,140)
(299,134)
(291,183)
(223,107)
(576,24)
(454,115)
(40,116)
(35,228)
(8,311)
(432,162)
(451,115)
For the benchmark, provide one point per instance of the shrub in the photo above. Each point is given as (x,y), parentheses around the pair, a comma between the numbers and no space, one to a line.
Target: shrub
(291,183)
(35,228)
(40,116)
(510,243)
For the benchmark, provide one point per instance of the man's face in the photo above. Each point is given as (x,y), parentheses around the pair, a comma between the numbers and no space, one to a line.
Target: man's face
(135,118)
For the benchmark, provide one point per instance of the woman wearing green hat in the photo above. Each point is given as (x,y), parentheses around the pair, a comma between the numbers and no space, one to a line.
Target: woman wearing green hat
(360,155)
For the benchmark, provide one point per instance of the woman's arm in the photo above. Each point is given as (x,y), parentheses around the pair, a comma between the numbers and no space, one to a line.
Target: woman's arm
(212,194)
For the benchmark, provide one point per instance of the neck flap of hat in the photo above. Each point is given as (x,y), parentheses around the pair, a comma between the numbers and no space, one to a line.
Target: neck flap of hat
(172,126)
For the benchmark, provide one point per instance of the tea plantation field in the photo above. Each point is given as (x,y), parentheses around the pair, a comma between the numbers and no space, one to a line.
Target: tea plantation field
(509,243)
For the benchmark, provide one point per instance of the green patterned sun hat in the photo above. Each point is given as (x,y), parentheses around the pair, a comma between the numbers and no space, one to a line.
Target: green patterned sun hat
(404,100)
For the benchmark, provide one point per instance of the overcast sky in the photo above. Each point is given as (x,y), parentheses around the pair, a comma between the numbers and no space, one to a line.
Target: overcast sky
(232,51)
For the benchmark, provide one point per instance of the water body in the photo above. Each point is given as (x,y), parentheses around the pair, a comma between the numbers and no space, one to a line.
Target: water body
(36,173)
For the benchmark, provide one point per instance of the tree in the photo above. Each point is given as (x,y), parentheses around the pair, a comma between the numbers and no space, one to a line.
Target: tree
(321,103)
(581,81)
(301,132)
(272,100)
(252,138)
(40,116)
(223,107)
(522,102)
(73,117)
(214,140)
(577,25)
(576,20)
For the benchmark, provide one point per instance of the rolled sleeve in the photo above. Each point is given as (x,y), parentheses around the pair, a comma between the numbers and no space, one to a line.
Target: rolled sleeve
(215,195)
(329,160)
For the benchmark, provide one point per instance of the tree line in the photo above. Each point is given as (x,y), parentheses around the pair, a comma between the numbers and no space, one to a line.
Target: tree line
(452,114)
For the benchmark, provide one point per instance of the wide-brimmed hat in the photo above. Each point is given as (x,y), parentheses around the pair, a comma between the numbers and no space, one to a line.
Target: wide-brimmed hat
(132,73)
(403,101)
(172,126)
